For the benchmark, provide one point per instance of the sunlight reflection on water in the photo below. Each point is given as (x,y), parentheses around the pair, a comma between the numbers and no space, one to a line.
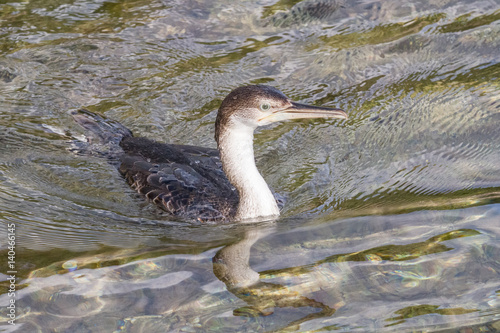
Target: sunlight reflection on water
(391,221)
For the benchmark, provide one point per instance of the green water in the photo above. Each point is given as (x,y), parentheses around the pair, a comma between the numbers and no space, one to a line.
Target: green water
(392,217)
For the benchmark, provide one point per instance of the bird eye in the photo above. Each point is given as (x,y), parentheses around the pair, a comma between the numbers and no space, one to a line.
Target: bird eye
(265,106)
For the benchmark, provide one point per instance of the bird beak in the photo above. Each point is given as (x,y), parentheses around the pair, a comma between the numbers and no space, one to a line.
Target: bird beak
(300,111)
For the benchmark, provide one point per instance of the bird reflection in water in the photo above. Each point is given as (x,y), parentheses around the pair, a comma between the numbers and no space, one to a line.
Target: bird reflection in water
(231,266)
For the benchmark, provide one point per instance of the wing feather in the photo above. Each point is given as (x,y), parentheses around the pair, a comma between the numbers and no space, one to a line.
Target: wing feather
(185,181)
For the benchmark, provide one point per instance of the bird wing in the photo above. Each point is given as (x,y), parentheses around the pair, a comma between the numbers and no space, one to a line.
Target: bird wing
(185,181)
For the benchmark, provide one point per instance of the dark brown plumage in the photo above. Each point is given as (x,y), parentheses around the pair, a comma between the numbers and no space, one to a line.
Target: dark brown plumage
(186,181)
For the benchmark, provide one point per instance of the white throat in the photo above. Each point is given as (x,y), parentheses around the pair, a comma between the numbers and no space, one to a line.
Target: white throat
(236,152)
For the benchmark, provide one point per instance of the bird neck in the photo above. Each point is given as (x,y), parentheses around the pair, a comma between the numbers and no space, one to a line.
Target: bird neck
(235,143)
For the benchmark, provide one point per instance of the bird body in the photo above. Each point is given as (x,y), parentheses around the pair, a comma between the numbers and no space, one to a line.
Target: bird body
(204,184)
(185,181)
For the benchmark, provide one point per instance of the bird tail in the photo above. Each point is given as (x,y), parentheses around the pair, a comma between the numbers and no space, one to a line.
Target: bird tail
(102,136)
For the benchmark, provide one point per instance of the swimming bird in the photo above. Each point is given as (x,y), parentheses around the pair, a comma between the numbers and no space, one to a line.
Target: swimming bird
(205,184)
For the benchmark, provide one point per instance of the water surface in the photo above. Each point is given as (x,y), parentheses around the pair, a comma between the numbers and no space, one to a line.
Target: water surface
(392,217)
